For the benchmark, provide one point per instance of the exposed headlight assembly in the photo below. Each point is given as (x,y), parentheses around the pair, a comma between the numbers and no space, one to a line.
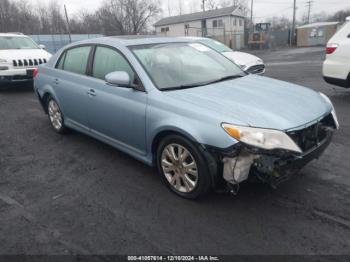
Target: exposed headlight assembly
(334,114)
(262,138)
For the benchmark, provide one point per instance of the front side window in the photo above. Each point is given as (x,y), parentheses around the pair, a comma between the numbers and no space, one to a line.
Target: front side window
(184,65)
(75,60)
(108,60)
(17,42)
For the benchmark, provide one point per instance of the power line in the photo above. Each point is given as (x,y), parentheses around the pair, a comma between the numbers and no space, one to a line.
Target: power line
(293,25)
(274,13)
(251,16)
(309,4)
(68,25)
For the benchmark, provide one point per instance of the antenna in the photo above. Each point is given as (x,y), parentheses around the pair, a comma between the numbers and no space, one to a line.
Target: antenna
(68,26)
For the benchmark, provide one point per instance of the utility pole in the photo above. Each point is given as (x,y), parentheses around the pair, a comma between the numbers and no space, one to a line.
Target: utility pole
(309,3)
(251,15)
(68,26)
(292,38)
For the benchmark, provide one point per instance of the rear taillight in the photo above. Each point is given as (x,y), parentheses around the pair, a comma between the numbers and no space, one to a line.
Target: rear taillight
(35,72)
(331,48)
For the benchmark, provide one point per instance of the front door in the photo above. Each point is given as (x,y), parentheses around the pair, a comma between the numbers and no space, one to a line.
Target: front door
(117,113)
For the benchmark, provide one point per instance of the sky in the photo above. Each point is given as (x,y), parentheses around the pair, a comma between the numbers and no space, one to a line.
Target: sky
(262,8)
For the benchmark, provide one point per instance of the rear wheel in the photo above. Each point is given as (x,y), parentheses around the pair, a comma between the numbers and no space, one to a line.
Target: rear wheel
(182,167)
(55,116)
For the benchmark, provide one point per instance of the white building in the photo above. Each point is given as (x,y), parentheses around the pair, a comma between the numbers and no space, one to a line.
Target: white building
(224,24)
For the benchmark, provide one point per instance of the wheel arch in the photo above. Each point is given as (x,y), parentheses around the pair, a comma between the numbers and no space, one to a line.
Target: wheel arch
(44,94)
(167,132)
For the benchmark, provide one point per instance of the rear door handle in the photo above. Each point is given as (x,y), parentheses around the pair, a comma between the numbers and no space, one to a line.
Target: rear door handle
(91,92)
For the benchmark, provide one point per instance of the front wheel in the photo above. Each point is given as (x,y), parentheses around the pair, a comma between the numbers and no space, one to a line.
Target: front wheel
(183,167)
(55,116)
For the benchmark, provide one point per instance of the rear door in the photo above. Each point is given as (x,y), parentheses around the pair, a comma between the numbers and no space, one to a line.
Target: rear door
(71,85)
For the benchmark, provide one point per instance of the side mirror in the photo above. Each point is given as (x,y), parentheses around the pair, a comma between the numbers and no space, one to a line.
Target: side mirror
(42,46)
(118,78)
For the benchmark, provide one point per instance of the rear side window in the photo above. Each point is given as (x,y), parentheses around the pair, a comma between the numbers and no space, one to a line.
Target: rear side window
(108,60)
(75,60)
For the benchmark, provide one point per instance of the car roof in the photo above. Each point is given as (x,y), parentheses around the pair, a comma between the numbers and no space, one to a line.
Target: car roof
(131,40)
(12,34)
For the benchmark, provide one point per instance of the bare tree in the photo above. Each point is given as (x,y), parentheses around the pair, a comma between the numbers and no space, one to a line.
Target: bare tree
(339,16)
(180,2)
(211,4)
(127,16)
(214,4)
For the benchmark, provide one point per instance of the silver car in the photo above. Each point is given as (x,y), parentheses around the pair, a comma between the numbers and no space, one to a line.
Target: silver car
(186,109)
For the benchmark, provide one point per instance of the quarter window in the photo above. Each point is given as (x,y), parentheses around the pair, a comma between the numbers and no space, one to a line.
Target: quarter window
(108,60)
(75,60)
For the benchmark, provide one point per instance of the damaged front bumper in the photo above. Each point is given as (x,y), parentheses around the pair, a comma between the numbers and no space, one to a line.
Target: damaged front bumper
(272,167)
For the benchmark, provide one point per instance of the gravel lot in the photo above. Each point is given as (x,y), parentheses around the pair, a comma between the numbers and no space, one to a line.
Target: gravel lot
(73,194)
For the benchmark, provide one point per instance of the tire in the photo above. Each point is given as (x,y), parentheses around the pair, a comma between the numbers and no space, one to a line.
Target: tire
(183,167)
(55,116)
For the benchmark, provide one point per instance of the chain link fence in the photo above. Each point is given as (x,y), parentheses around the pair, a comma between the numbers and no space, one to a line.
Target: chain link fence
(233,39)
(237,40)
(55,42)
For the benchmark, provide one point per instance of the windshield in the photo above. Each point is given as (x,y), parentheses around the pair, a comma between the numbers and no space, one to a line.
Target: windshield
(17,42)
(184,65)
(216,45)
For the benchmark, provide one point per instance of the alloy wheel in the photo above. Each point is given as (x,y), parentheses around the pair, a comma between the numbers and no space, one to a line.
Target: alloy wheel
(179,168)
(55,115)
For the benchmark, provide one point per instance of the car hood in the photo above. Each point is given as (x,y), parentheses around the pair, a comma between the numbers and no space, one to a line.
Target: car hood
(241,58)
(257,101)
(17,54)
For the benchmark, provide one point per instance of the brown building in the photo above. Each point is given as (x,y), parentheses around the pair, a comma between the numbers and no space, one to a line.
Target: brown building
(316,34)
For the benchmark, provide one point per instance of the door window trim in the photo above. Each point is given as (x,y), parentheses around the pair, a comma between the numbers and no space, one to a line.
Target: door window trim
(63,55)
(91,60)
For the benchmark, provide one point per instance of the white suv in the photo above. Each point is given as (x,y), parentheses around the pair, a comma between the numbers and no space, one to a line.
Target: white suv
(19,56)
(336,68)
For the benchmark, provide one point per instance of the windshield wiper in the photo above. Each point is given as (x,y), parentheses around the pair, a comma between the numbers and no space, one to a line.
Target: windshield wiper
(201,84)
(183,86)
(225,79)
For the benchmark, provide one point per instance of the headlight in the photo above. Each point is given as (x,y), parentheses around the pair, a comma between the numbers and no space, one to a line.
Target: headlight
(262,138)
(334,114)
(243,67)
(259,61)
(3,60)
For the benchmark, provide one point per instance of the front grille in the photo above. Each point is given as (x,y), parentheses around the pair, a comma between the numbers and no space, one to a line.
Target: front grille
(28,62)
(313,135)
(256,69)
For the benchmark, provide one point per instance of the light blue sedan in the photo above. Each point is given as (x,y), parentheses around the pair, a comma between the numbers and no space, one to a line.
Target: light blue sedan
(186,109)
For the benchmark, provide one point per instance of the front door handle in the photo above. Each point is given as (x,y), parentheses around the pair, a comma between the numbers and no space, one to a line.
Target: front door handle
(91,92)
